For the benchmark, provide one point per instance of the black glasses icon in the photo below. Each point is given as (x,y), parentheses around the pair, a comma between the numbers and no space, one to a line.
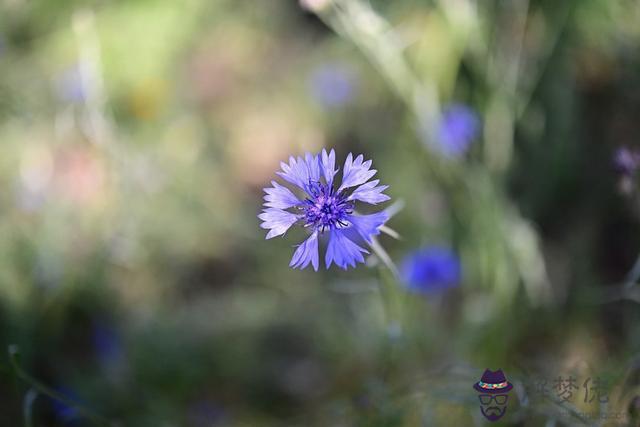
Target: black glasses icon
(486,399)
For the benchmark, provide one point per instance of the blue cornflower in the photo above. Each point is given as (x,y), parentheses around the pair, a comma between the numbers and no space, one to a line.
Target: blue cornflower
(325,207)
(459,126)
(431,269)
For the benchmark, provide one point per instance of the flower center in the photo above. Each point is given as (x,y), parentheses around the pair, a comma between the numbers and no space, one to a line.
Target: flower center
(325,209)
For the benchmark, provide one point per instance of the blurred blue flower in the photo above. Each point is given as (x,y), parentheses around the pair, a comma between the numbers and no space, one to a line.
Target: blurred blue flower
(69,85)
(106,344)
(325,207)
(458,127)
(66,414)
(332,85)
(626,160)
(431,269)
(29,200)
(205,413)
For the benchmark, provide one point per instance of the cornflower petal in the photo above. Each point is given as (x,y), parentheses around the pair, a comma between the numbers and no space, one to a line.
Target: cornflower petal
(307,252)
(328,164)
(368,225)
(370,193)
(313,167)
(355,172)
(277,221)
(280,197)
(295,172)
(343,251)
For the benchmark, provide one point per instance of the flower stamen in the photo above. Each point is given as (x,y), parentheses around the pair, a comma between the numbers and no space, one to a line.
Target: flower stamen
(325,209)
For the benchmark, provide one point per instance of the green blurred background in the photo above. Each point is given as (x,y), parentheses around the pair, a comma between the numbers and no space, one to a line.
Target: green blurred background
(136,138)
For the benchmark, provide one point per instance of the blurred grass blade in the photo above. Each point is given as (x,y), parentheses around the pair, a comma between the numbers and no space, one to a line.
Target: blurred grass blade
(14,356)
(355,20)
(384,257)
(389,231)
(27,406)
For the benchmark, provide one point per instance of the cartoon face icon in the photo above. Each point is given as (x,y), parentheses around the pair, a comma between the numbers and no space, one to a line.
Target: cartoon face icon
(493,406)
(493,391)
